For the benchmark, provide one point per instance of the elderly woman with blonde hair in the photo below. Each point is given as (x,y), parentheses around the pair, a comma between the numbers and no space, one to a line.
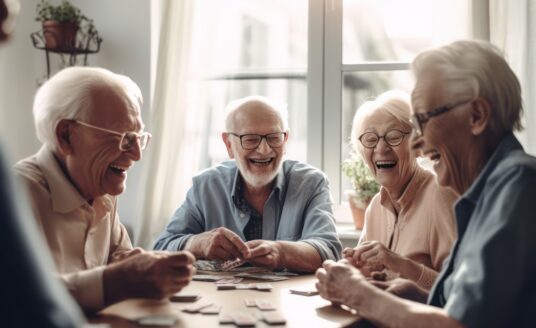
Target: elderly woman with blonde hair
(409,224)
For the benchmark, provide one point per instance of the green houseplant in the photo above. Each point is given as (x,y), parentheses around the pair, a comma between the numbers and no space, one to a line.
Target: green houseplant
(365,187)
(61,24)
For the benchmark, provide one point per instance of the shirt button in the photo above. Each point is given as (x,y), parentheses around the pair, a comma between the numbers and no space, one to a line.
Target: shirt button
(242,214)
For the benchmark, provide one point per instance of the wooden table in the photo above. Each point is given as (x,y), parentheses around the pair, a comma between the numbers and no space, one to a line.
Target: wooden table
(299,311)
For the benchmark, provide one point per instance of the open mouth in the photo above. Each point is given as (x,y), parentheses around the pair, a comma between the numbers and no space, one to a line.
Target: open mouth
(262,162)
(385,164)
(120,170)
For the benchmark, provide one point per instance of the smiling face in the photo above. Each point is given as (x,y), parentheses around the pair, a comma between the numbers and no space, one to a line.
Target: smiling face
(446,138)
(392,166)
(94,161)
(257,166)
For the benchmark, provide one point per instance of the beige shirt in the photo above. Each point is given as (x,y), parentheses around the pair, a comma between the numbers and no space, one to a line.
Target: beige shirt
(82,238)
(424,228)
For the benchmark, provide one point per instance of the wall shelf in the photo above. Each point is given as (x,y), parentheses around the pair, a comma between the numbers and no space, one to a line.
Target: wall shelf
(85,45)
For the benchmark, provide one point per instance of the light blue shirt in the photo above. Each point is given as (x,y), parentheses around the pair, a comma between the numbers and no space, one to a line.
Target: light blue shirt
(490,278)
(299,208)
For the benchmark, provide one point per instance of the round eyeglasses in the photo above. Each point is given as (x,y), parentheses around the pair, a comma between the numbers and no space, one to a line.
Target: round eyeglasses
(128,139)
(392,138)
(252,141)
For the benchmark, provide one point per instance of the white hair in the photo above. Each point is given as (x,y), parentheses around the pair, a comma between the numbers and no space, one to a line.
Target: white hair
(476,68)
(395,103)
(230,110)
(68,95)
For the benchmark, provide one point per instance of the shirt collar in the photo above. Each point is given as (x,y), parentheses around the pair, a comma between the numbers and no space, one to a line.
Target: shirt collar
(508,144)
(64,195)
(465,205)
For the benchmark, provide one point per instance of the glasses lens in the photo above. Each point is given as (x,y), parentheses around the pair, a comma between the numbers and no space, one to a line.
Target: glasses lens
(369,139)
(128,141)
(276,139)
(394,137)
(250,141)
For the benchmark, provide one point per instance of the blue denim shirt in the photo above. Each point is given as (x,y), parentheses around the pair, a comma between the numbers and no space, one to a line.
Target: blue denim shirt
(299,208)
(489,279)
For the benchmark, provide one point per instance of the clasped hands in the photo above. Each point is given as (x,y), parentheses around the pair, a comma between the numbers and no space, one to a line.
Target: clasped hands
(223,244)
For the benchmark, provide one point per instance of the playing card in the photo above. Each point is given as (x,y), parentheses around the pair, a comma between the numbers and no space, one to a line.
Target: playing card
(274,318)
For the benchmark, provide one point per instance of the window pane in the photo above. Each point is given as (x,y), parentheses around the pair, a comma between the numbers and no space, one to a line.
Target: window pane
(394,30)
(249,34)
(360,87)
(242,48)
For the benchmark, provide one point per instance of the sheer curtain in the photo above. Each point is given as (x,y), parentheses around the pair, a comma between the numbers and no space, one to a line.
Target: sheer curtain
(168,173)
(512,30)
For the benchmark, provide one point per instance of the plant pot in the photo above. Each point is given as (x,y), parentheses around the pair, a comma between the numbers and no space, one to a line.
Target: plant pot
(358,208)
(60,36)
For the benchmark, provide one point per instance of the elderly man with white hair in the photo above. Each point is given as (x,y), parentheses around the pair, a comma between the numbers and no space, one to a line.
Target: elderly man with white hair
(259,208)
(89,122)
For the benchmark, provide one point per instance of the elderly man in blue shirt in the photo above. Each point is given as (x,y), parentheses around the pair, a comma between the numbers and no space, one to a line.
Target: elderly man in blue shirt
(260,208)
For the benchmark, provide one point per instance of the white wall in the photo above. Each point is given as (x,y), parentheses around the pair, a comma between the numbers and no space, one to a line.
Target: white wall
(125,26)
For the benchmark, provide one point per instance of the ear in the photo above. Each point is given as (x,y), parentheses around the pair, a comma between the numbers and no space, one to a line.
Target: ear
(63,137)
(227,142)
(480,115)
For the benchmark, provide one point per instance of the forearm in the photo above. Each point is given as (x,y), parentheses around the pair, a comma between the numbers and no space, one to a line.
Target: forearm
(115,290)
(299,256)
(387,310)
(416,272)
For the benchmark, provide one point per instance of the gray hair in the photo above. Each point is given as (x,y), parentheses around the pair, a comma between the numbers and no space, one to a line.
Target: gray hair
(395,103)
(279,109)
(476,68)
(68,95)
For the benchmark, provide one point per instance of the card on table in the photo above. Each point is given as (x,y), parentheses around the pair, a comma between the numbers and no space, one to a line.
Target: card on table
(184,297)
(304,290)
(261,276)
(156,320)
(196,307)
(274,318)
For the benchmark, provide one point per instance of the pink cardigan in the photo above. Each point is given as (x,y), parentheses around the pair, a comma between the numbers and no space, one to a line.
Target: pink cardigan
(425,228)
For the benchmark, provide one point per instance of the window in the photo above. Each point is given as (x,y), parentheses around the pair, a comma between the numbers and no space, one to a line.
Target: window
(323,58)
(368,47)
(242,48)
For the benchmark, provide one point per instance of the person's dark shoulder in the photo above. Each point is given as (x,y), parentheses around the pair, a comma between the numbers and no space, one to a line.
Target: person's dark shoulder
(518,168)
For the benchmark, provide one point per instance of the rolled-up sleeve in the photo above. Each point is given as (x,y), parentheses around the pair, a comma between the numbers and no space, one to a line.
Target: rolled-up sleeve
(86,287)
(319,223)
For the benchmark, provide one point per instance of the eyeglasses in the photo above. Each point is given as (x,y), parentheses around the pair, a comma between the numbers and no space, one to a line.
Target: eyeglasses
(417,120)
(392,138)
(252,141)
(128,139)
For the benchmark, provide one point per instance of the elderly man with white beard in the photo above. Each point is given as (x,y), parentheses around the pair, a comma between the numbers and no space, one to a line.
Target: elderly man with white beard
(259,208)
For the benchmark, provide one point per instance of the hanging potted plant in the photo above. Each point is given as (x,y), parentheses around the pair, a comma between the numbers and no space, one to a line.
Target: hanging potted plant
(61,24)
(365,187)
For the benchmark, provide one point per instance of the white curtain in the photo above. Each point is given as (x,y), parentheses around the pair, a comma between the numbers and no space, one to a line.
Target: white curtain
(512,30)
(168,171)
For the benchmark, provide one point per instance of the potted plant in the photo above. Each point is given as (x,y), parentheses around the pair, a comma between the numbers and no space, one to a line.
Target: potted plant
(365,187)
(61,24)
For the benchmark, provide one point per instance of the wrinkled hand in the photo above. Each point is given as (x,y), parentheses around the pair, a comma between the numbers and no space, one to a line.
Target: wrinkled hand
(264,253)
(218,244)
(126,254)
(371,256)
(153,275)
(403,288)
(339,282)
